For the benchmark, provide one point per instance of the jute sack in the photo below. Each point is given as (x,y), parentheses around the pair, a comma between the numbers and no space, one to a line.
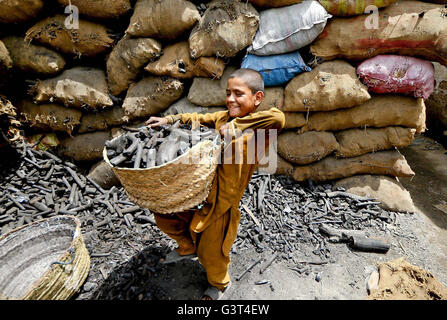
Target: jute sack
(389,191)
(126,61)
(273,98)
(15,11)
(103,120)
(150,96)
(390,163)
(176,62)
(90,39)
(289,28)
(283,167)
(49,117)
(226,28)
(102,9)
(166,19)
(331,85)
(437,102)
(33,58)
(210,93)
(5,58)
(77,87)
(380,111)
(344,8)
(405,28)
(184,106)
(355,142)
(9,125)
(274,3)
(84,147)
(306,148)
(294,120)
(103,175)
(436,1)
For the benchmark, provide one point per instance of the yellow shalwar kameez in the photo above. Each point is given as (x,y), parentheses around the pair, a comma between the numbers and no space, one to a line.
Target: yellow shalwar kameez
(211,231)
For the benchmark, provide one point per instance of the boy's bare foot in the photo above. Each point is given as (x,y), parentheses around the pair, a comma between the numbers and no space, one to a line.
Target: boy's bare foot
(212,293)
(173,257)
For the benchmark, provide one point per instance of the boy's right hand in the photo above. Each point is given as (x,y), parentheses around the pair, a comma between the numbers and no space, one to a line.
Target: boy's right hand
(156,121)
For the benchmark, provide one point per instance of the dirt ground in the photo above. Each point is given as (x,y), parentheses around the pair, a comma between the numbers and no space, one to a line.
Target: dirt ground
(421,238)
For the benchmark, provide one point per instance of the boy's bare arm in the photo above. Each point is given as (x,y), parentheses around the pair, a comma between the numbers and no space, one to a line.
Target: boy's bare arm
(208,119)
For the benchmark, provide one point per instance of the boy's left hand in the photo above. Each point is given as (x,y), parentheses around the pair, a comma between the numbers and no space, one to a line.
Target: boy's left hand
(223,129)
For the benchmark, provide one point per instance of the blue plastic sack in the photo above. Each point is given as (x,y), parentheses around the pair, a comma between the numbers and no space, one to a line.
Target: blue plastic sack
(277,69)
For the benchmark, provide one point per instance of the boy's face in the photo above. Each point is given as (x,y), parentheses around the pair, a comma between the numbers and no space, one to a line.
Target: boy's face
(240,100)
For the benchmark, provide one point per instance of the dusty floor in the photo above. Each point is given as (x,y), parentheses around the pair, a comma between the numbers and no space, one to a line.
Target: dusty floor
(421,238)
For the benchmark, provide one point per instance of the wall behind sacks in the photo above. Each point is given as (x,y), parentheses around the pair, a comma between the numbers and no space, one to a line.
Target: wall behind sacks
(147,48)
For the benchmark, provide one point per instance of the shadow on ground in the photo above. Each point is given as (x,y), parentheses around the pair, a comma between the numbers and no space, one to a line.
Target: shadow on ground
(428,188)
(144,278)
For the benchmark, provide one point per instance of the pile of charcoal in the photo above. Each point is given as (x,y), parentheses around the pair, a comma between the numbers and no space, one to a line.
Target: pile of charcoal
(148,147)
(41,185)
(281,215)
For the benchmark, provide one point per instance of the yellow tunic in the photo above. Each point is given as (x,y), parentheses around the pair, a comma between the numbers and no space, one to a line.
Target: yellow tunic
(211,231)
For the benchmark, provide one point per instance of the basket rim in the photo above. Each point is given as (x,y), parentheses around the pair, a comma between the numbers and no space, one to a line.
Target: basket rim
(77,234)
(194,148)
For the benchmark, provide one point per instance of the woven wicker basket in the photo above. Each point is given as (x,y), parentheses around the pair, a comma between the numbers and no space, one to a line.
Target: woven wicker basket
(44,260)
(175,186)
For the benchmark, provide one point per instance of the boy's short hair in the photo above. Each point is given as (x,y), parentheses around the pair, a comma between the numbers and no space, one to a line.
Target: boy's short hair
(252,78)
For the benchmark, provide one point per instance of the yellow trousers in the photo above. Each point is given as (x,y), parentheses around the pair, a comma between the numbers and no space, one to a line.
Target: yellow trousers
(212,245)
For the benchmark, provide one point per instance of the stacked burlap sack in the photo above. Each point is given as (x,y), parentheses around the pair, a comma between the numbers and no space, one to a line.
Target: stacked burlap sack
(124,64)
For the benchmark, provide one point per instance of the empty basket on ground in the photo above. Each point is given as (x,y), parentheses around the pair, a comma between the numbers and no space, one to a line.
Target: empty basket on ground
(175,186)
(44,260)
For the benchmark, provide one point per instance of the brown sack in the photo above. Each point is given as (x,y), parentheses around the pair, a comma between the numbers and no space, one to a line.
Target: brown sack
(49,117)
(8,123)
(15,11)
(390,163)
(307,147)
(389,191)
(331,85)
(226,28)
(355,142)
(126,61)
(90,39)
(380,111)
(102,9)
(273,98)
(294,120)
(5,58)
(103,175)
(102,120)
(405,28)
(177,63)
(84,147)
(210,93)
(437,102)
(283,167)
(167,19)
(184,106)
(77,87)
(150,96)
(33,58)
(345,8)
(274,3)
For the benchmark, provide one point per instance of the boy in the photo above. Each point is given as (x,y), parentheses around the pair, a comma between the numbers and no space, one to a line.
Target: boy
(209,233)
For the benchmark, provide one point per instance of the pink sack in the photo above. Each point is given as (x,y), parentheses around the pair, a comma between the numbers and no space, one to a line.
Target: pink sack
(398,74)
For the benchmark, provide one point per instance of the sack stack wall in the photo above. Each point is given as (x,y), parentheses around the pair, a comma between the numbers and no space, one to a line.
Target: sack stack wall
(123,61)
